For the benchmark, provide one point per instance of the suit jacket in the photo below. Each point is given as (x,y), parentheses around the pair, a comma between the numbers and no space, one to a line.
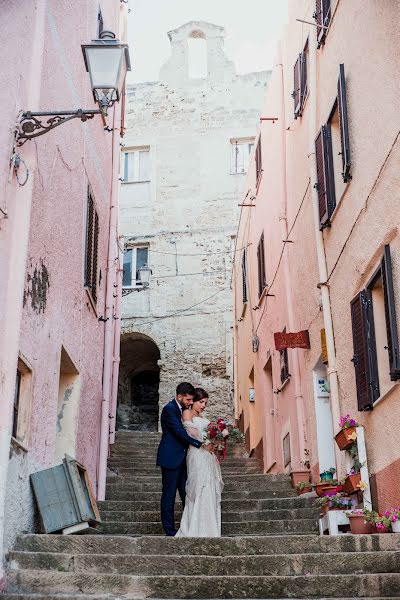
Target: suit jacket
(174,440)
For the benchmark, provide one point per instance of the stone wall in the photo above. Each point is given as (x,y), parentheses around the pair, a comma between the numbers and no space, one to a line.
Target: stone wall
(189,217)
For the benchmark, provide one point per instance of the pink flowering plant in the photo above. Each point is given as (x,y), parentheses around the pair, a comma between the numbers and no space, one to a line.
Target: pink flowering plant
(347,421)
(393,514)
(334,500)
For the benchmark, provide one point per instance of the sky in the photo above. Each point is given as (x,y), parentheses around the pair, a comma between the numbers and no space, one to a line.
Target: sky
(253,28)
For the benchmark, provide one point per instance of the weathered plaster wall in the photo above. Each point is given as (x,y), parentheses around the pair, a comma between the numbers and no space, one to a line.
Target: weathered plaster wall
(190,218)
(56,311)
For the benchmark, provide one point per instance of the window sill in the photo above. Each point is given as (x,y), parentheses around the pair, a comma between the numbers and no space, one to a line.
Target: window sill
(240,173)
(91,301)
(386,394)
(134,182)
(134,287)
(18,446)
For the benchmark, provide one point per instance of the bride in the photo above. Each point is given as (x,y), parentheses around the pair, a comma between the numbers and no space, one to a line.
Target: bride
(202,513)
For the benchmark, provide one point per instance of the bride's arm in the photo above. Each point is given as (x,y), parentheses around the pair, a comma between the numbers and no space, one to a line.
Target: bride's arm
(187,419)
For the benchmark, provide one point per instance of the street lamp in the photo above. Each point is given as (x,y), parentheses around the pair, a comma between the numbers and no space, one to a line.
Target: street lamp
(107,62)
(144,274)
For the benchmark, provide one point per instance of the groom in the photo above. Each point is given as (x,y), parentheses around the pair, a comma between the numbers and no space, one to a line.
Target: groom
(171,456)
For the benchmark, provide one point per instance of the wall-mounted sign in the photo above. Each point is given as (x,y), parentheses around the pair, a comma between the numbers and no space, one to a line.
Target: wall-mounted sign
(284,340)
(252,396)
(324,350)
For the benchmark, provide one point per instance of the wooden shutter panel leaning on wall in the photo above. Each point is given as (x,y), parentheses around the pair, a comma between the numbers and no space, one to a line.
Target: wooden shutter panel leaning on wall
(390,315)
(344,126)
(364,359)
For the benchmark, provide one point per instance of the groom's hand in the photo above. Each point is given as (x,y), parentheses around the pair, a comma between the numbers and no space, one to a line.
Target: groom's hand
(209,447)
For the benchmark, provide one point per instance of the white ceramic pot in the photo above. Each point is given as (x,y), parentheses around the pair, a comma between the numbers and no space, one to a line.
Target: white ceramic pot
(396,526)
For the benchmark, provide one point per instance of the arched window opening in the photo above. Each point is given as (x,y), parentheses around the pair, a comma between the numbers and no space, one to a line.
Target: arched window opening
(197,48)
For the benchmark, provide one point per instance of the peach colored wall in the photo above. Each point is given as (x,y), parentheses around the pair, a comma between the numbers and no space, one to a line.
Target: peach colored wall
(367,217)
(45,232)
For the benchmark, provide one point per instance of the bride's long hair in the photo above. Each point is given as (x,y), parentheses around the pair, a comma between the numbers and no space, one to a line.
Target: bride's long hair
(199,394)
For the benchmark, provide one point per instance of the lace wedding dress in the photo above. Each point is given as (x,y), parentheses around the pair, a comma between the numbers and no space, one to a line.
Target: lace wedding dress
(202,514)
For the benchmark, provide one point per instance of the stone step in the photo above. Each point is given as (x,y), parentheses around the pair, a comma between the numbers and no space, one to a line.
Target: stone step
(298,526)
(230,505)
(225,546)
(72,596)
(229,462)
(246,483)
(153,470)
(227,516)
(298,586)
(262,565)
(148,492)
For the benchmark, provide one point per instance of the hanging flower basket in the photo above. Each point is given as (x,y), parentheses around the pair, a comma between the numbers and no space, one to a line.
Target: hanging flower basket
(351,484)
(345,438)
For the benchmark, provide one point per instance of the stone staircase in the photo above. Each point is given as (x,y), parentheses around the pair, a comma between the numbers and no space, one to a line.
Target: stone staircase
(270,546)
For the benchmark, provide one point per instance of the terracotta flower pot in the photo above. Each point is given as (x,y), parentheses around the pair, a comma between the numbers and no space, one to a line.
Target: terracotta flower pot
(342,438)
(300,477)
(359,525)
(321,489)
(376,530)
(351,483)
(304,490)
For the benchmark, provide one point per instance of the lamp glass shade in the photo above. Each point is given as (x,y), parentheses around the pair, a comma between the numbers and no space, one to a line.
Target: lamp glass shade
(104,65)
(144,274)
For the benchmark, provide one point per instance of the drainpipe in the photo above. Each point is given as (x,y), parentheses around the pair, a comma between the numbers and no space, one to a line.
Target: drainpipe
(19,222)
(117,341)
(111,280)
(296,375)
(319,239)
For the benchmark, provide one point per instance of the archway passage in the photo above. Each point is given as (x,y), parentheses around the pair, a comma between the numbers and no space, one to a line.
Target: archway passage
(139,378)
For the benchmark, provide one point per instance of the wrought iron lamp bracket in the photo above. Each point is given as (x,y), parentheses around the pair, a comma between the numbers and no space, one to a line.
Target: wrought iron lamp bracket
(30,126)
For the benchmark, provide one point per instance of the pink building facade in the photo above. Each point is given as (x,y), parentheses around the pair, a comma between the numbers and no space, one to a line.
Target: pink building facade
(59,269)
(320,250)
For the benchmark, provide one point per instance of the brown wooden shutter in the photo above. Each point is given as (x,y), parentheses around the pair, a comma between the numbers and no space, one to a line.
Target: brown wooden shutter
(364,359)
(322,16)
(89,241)
(344,127)
(95,256)
(325,177)
(244,277)
(390,315)
(261,266)
(258,161)
(296,87)
(303,76)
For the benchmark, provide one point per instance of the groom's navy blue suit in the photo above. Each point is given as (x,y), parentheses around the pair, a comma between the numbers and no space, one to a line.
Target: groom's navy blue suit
(171,457)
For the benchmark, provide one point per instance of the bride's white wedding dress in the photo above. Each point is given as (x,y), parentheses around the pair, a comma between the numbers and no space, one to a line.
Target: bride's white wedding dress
(202,514)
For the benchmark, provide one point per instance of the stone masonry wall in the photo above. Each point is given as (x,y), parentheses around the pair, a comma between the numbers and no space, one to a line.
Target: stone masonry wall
(190,218)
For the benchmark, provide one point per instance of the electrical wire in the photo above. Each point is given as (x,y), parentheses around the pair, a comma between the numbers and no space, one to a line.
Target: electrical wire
(178,312)
(282,251)
(125,248)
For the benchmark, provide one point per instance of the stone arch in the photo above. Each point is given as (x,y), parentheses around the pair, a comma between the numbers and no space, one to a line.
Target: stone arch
(138,386)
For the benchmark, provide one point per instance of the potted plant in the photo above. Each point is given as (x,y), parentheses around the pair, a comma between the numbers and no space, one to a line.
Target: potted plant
(394,515)
(347,434)
(381,523)
(333,501)
(303,487)
(352,482)
(300,477)
(359,521)
(328,474)
(324,487)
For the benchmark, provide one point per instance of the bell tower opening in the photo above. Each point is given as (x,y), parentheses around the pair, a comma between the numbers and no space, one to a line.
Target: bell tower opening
(197,55)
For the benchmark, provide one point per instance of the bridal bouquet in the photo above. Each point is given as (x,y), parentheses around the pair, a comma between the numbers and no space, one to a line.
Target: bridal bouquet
(218,432)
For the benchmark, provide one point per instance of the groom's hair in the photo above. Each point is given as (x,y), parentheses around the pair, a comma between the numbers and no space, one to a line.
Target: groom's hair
(199,394)
(185,388)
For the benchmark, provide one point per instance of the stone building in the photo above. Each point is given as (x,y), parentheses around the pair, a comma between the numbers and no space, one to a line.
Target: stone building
(187,147)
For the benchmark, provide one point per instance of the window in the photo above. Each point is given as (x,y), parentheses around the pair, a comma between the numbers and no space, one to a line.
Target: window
(197,55)
(286,450)
(134,259)
(261,266)
(284,363)
(240,155)
(299,93)
(332,149)
(137,166)
(322,16)
(22,403)
(92,243)
(244,276)
(375,338)
(258,161)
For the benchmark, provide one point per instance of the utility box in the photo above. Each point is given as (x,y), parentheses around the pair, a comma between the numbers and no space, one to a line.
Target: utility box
(65,498)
